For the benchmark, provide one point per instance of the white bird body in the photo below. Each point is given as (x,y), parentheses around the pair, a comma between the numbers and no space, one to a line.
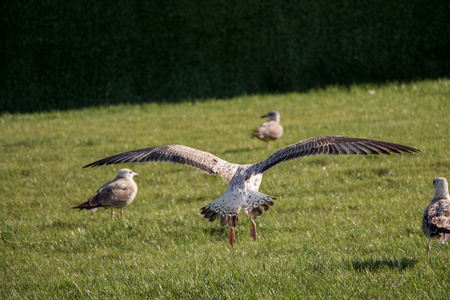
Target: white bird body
(240,194)
(244,180)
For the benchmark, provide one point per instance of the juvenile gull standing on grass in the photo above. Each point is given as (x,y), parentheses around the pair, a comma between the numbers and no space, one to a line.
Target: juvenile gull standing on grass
(117,193)
(436,217)
(270,130)
(242,191)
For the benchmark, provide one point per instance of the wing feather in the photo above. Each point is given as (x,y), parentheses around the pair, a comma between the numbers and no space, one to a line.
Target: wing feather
(328,145)
(177,154)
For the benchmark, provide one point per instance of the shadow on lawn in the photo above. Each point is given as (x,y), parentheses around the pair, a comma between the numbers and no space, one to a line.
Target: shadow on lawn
(377,264)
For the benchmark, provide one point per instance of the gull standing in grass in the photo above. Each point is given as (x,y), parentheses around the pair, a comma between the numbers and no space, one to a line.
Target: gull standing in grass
(436,217)
(270,130)
(117,193)
(244,180)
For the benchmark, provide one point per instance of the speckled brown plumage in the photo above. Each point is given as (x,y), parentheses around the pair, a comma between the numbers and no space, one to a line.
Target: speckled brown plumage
(177,154)
(436,217)
(270,130)
(117,193)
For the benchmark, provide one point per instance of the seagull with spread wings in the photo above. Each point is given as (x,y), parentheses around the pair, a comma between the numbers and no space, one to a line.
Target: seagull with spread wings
(244,180)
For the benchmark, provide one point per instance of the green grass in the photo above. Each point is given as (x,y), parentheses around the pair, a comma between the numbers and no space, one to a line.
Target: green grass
(342,227)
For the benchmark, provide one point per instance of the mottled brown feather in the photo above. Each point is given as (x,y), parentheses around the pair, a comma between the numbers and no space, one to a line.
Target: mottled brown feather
(177,154)
(115,193)
(436,217)
(270,130)
(322,145)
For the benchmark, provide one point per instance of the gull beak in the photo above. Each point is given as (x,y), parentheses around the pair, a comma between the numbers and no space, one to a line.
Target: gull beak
(135,175)
(265,116)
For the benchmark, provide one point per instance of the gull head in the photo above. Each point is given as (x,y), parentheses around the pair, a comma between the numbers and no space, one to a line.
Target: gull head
(126,173)
(272,115)
(441,187)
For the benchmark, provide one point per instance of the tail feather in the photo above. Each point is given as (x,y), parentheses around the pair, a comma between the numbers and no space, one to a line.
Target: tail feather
(445,237)
(226,219)
(223,221)
(438,231)
(230,216)
(216,210)
(232,220)
(261,203)
(87,206)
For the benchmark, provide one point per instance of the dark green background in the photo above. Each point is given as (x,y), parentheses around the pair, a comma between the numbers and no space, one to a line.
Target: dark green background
(77,53)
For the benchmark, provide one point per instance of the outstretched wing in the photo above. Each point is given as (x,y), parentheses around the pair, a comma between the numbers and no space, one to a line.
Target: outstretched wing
(328,145)
(177,154)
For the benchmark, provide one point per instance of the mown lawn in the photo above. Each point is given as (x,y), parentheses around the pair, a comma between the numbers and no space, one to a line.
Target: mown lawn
(342,227)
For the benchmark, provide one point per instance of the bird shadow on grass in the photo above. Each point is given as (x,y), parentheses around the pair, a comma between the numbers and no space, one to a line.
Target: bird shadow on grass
(378,264)
(62,224)
(216,231)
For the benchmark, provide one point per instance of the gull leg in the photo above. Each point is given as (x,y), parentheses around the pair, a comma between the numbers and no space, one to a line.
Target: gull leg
(121,213)
(232,237)
(112,213)
(253,230)
(429,247)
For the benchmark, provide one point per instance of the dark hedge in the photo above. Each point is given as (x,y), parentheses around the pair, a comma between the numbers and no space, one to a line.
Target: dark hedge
(77,53)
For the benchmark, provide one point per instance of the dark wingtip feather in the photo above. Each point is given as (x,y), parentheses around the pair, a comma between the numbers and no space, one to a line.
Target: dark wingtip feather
(208,214)
(81,206)
(213,217)
(85,205)
(115,159)
(97,163)
(412,150)
(91,165)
